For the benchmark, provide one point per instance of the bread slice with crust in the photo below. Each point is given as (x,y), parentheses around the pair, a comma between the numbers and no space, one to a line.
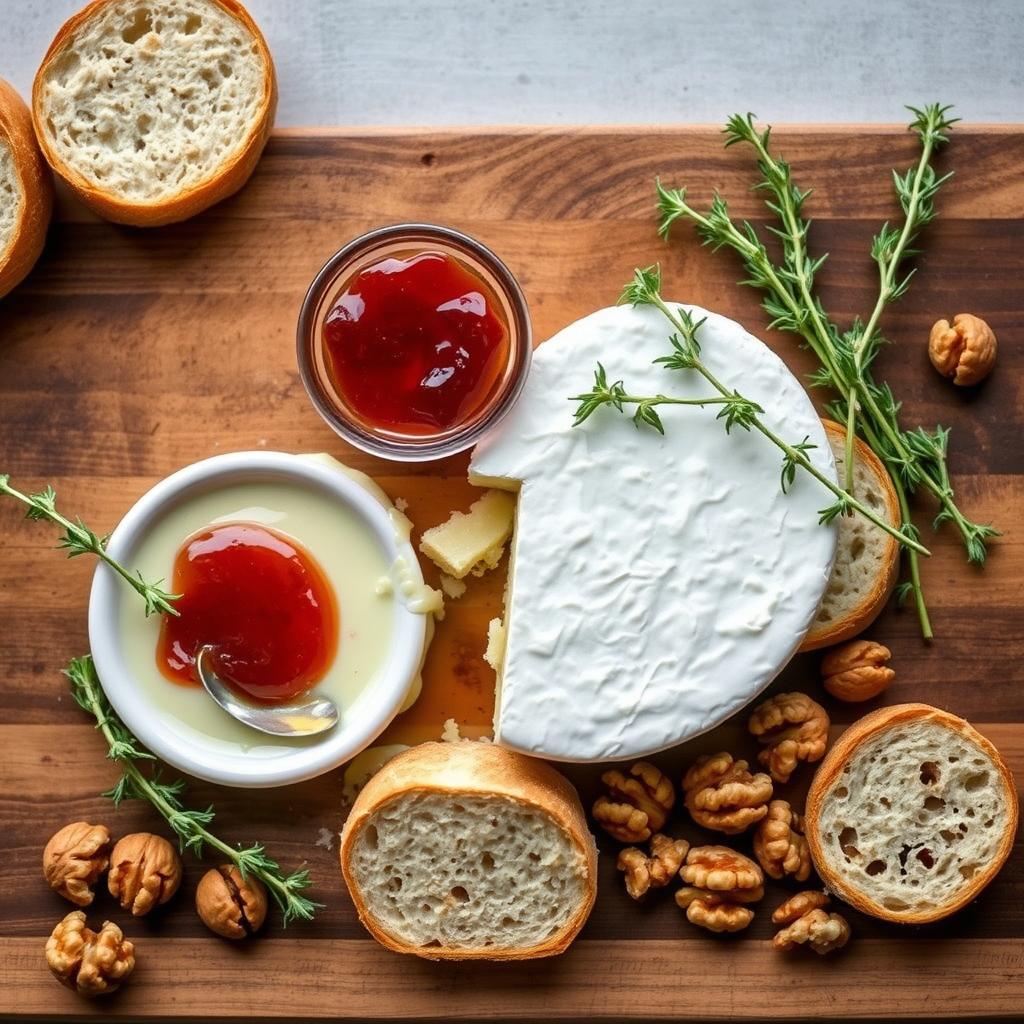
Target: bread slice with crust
(911,814)
(867,558)
(459,851)
(26,191)
(153,110)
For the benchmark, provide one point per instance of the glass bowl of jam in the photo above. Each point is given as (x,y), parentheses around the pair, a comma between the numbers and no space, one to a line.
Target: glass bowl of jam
(413,341)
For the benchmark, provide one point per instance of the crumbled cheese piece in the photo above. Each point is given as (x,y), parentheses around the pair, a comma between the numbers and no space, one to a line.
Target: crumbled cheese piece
(473,541)
(325,839)
(495,652)
(450,733)
(401,504)
(452,587)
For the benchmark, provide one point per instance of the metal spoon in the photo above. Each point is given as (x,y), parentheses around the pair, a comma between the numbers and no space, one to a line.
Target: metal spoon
(315,716)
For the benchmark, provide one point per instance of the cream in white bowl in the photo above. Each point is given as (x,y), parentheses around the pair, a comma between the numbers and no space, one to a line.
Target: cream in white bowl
(359,542)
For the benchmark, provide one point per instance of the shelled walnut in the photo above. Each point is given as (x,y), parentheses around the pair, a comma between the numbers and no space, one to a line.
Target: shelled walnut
(965,351)
(645,872)
(779,843)
(229,904)
(74,859)
(637,806)
(145,870)
(808,923)
(791,728)
(91,963)
(857,671)
(723,795)
(720,882)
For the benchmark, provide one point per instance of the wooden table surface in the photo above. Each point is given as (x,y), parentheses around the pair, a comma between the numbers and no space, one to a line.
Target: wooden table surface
(130,353)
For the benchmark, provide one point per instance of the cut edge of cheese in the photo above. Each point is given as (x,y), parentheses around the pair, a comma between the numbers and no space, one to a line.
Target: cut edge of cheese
(472,542)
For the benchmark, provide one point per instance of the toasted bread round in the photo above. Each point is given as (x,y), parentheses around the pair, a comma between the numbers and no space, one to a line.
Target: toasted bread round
(459,851)
(154,110)
(911,814)
(867,558)
(26,191)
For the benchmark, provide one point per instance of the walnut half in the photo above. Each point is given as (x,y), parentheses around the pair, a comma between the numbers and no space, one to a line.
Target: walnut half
(857,671)
(653,872)
(791,728)
(808,923)
(965,351)
(229,904)
(91,963)
(145,870)
(779,843)
(74,859)
(723,795)
(635,806)
(720,882)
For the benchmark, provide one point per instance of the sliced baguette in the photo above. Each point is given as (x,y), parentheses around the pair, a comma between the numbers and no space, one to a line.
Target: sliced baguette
(26,191)
(457,851)
(154,110)
(867,558)
(912,813)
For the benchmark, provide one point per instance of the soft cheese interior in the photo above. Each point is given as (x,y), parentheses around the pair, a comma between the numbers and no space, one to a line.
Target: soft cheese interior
(658,583)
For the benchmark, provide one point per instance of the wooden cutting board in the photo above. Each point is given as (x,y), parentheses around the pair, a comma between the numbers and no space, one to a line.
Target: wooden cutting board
(130,353)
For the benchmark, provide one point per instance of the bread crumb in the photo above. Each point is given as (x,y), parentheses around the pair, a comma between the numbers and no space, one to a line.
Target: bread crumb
(401,504)
(325,839)
(452,587)
(450,733)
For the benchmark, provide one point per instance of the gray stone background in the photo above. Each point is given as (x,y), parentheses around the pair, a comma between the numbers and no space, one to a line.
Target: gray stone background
(452,62)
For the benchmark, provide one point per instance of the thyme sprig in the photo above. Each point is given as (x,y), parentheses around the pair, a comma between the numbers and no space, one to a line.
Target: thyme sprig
(915,458)
(190,826)
(736,410)
(79,539)
(615,395)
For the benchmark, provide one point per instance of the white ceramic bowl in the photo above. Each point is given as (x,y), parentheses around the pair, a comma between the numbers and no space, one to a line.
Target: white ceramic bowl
(242,767)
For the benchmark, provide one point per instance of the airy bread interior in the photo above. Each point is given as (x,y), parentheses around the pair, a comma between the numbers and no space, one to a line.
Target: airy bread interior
(11,198)
(864,551)
(917,812)
(149,99)
(466,871)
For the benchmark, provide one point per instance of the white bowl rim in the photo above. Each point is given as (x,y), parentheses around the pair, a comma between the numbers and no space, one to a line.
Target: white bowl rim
(405,655)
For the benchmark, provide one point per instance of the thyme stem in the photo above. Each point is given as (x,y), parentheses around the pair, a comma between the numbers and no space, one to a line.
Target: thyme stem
(189,826)
(916,458)
(78,539)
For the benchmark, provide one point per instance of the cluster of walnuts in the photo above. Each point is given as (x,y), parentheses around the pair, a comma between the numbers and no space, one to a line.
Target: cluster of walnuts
(724,795)
(143,872)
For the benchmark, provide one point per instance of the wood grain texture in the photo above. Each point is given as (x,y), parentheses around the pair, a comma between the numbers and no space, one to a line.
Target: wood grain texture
(127,354)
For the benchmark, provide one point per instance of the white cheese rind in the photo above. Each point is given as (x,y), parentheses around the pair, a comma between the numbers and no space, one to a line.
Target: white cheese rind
(659,583)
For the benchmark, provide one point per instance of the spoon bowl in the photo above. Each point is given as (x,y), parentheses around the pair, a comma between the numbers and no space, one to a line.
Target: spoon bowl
(303,719)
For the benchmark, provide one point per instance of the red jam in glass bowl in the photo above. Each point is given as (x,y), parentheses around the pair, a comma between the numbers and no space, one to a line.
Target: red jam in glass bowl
(264,604)
(413,341)
(416,344)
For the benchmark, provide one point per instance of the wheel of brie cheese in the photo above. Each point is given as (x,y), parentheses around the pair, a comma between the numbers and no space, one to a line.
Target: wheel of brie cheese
(657,583)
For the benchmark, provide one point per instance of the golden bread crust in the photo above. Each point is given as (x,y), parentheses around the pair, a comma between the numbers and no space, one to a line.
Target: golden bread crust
(36,186)
(228,179)
(824,635)
(477,769)
(828,774)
